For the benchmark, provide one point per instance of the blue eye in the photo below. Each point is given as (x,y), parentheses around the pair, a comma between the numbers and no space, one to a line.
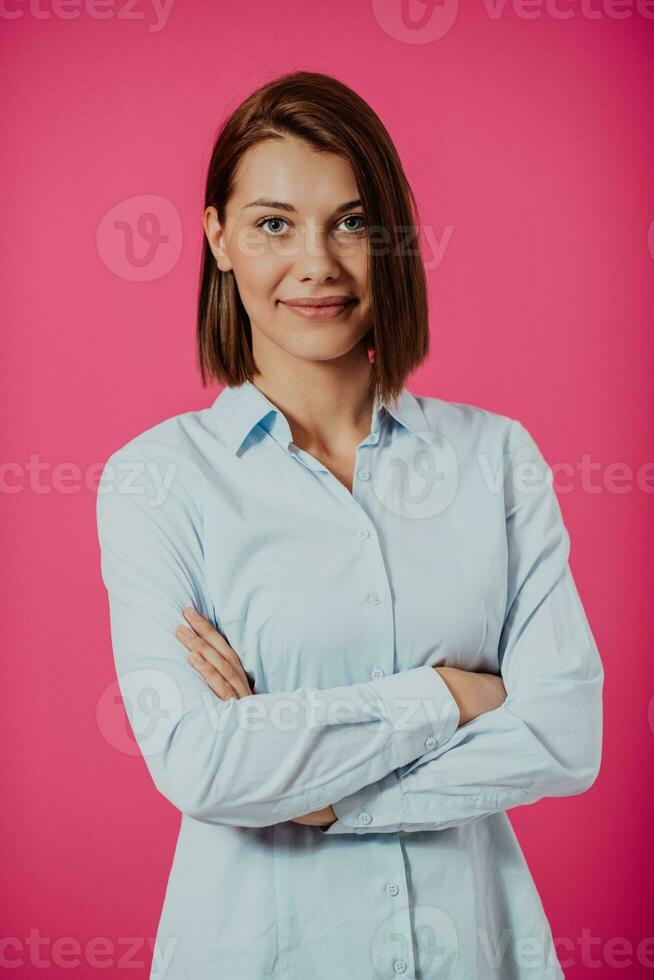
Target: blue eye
(355,217)
(265,221)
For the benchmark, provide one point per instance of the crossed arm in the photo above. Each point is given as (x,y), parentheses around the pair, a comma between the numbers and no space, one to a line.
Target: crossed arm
(218,664)
(403,758)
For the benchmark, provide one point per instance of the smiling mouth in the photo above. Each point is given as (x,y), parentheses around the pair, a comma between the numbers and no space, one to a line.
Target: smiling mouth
(320,310)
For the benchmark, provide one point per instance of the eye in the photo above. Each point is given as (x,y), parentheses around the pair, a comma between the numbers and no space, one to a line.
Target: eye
(355,217)
(265,221)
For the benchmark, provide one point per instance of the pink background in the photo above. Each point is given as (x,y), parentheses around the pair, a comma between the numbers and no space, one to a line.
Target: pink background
(529,144)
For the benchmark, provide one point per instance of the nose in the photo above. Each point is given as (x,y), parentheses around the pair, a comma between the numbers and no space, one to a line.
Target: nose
(315,258)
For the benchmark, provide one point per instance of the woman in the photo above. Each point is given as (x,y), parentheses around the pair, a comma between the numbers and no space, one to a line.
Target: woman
(386,650)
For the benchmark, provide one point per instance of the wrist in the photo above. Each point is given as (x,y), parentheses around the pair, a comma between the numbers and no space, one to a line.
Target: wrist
(455,680)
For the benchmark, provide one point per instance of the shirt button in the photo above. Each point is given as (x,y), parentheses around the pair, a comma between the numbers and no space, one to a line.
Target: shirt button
(399,966)
(392,889)
(375,598)
(365,818)
(363,533)
(376,673)
(430,742)
(364,475)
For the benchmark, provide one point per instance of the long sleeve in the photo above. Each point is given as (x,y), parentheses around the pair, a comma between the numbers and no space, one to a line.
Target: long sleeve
(250,762)
(546,737)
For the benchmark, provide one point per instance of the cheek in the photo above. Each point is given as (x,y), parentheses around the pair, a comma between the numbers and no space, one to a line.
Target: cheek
(358,271)
(357,264)
(258,280)
(257,265)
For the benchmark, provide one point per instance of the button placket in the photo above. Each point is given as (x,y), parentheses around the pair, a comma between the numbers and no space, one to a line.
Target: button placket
(399,965)
(397,955)
(374,598)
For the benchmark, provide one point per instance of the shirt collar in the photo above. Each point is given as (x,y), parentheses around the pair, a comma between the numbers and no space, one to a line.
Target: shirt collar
(239,409)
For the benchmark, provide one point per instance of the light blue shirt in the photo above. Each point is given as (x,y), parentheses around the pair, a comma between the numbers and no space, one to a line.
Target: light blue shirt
(450,550)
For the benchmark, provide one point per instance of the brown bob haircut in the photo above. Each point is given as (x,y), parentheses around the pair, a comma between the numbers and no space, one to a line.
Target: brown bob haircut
(331,118)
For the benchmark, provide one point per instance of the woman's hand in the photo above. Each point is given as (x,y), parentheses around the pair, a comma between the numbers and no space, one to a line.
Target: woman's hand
(211,655)
(473,691)
(317,818)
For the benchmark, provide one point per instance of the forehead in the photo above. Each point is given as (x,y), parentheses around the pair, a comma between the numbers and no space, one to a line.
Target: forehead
(290,170)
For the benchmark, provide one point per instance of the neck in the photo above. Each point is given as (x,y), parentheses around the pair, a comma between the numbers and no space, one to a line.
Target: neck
(327,403)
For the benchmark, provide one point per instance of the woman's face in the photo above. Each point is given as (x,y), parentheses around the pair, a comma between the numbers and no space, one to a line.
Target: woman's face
(308,240)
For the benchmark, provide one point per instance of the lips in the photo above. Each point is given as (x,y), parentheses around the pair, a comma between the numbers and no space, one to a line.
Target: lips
(319,307)
(307,301)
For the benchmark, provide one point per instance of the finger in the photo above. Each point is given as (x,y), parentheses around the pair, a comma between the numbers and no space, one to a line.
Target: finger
(207,631)
(201,648)
(213,678)
(201,625)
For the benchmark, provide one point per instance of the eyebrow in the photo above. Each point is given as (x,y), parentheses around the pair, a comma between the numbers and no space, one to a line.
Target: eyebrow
(262,202)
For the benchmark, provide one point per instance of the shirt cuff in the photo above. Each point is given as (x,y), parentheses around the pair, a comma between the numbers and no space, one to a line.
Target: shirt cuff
(422,711)
(424,715)
(374,809)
